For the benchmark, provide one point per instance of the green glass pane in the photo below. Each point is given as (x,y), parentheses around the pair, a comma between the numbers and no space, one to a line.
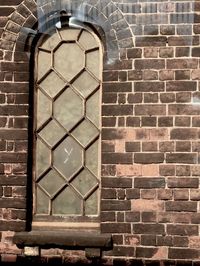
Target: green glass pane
(52,132)
(68,109)
(52,84)
(43,158)
(93,63)
(93,109)
(85,132)
(68,157)
(51,42)
(84,182)
(67,203)
(51,182)
(87,40)
(42,202)
(92,158)
(43,108)
(69,59)
(44,63)
(85,84)
(91,204)
(69,34)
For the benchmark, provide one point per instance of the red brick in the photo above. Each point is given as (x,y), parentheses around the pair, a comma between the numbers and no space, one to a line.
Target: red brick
(183,182)
(181,206)
(149,64)
(148,109)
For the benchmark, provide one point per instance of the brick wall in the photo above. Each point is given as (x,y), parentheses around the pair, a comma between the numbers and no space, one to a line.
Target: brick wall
(150,135)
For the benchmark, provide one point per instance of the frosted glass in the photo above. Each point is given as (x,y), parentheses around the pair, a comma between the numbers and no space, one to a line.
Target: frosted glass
(85,132)
(70,34)
(84,182)
(52,132)
(87,40)
(91,204)
(69,60)
(92,112)
(92,63)
(67,203)
(68,157)
(52,84)
(51,182)
(92,158)
(42,206)
(43,158)
(68,109)
(85,84)
(51,42)
(44,63)
(43,108)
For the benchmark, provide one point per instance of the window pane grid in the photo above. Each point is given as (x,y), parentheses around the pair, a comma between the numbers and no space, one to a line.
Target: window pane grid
(67,184)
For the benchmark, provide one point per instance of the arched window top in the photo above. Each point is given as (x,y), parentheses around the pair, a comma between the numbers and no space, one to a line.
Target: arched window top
(67,126)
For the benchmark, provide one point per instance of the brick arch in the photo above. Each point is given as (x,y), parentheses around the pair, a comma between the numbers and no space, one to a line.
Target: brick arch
(106,18)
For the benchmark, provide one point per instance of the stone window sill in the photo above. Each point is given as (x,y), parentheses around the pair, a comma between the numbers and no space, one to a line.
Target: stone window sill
(63,239)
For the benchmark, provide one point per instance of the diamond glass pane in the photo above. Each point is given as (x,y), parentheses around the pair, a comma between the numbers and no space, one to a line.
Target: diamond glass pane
(51,42)
(69,59)
(87,40)
(92,62)
(52,132)
(51,182)
(91,204)
(52,84)
(91,158)
(85,84)
(84,182)
(67,203)
(42,206)
(91,111)
(43,158)
(90,132)
(43,108)
(70,34)
(68,109)
(68,157)
(44,63)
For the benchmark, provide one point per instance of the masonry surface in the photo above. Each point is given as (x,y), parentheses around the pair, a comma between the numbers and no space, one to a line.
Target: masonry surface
(150,130)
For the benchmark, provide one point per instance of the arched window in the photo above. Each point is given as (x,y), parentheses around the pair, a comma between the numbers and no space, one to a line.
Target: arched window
(68,69)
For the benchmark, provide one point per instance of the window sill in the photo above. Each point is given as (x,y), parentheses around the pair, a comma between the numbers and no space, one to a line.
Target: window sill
(63,239)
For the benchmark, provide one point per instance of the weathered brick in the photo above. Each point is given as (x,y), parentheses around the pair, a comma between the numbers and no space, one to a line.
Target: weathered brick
(111,182)
(181,206)
(177,253)
(109,110)
(117,87)
(148,240)
(150,146)
(182,229)
(184,134)
(149,109)
(147,158)
(183,146)
(151,41)
(117,158)
(115,205)
(148,86)
(116,228)
(142,182)
(181,86)
(181,194)
(183,182)
(190,158)
(149,64)
(148,228)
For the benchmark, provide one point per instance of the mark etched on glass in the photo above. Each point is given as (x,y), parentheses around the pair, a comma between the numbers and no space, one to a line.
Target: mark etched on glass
(68,154)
